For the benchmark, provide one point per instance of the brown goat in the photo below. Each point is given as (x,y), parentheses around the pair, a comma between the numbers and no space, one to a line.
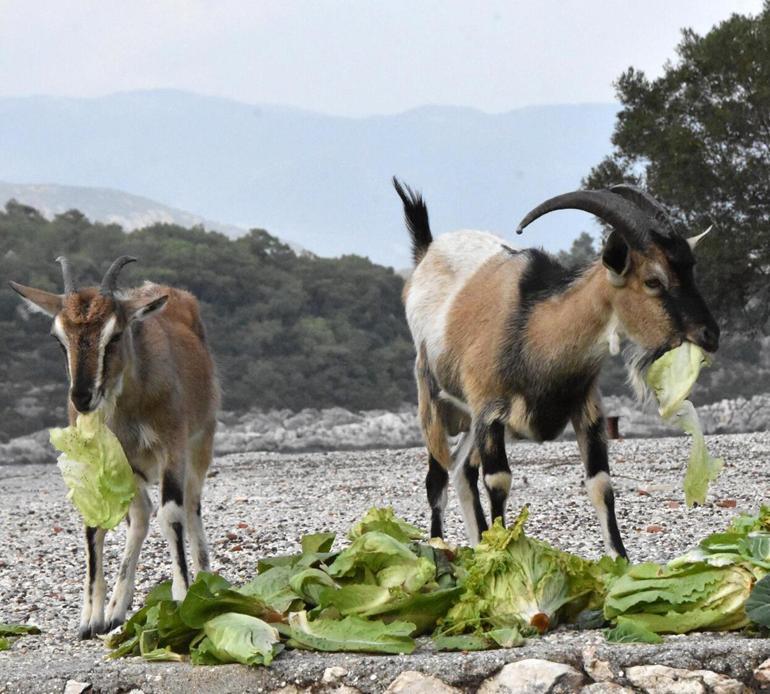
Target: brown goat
(511,341)
(141,355)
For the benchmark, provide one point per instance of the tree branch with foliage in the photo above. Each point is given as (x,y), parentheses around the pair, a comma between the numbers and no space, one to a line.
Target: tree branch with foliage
(698,137)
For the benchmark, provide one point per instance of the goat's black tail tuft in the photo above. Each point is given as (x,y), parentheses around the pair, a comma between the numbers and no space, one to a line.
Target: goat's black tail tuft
(416,217)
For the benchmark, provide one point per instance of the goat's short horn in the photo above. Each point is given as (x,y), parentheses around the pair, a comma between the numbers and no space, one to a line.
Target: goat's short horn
(110,279)
(695,240)
(66,271)
(626,218)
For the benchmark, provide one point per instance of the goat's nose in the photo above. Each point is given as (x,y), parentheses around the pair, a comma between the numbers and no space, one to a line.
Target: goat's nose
(81,399)
(708,338)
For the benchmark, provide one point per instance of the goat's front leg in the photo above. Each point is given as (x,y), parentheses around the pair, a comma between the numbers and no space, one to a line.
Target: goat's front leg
(92,614)
(465,477)
(172,518)
(490,444)
(138,520)
(591,434)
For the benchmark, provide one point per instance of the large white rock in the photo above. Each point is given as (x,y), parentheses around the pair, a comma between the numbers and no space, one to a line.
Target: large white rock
(412,682)
(762,674)
(598,670)
(533,676)
(660,679)
(606,688)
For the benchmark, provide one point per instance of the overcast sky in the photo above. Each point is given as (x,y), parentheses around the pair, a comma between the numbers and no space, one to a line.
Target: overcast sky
(349,57)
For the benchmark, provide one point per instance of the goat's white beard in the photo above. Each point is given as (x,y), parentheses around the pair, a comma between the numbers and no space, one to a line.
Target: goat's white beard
(109,400)
(638,360)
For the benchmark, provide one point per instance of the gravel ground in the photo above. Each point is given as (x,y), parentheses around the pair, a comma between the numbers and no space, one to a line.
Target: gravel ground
(260,504)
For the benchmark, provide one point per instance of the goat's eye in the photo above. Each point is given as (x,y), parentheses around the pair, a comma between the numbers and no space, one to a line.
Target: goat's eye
(653,283)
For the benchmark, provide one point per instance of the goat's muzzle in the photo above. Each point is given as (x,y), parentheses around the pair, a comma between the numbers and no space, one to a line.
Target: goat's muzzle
(706,337)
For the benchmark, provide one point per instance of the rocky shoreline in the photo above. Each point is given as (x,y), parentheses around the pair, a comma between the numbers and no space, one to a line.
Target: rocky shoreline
(338,429)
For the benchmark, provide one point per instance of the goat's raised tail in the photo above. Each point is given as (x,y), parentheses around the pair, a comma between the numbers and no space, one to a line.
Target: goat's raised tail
(416,217)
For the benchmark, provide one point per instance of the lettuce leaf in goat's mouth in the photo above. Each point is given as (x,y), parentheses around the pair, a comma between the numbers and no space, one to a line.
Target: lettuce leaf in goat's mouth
(95,469)
(673,375)
(671,378)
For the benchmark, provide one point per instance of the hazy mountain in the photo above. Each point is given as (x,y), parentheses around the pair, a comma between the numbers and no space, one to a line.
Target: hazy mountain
(105,205)
(321,181)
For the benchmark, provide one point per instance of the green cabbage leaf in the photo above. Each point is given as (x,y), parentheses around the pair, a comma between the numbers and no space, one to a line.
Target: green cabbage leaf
(95,469)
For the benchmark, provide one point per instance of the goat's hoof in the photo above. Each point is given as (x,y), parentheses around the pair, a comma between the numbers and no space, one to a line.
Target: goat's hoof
(113,624)
(86,632)
(89,631)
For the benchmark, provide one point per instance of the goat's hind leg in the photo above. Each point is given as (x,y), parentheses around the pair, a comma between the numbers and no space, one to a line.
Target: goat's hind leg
(435,435)
(94,589)
(172,520)
(202,452)
(138,521)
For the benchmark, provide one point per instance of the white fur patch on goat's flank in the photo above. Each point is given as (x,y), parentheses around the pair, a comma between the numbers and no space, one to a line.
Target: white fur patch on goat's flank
(430,297)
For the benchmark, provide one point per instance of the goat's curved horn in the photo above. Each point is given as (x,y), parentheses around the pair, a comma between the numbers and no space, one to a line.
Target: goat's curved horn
(66,271)
(645,201)
(110,279)
(626,218)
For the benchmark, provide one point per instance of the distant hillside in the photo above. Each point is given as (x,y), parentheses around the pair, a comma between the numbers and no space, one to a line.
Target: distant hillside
(321,181)
(106,205)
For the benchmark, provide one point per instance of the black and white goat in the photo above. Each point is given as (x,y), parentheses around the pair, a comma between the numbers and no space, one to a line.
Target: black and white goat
(141,355)
(509,340)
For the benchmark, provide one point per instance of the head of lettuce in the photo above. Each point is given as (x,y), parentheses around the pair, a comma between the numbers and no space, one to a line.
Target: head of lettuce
(95,469)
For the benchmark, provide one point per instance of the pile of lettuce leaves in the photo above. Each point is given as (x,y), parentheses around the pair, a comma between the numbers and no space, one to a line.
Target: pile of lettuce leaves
(721,585)
(388,587)
(377,595)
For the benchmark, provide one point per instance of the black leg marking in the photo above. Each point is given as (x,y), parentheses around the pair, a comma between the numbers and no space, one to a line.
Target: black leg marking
(90,629)
(596,449)
(435,484)
(180,555)
(91,549)
(612,523)
(490,439)
(171,489)
(198,509)
(471,473)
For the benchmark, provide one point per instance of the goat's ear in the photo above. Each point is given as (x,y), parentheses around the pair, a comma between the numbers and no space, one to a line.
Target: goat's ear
(39,300)
(141,311)
(616,256)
